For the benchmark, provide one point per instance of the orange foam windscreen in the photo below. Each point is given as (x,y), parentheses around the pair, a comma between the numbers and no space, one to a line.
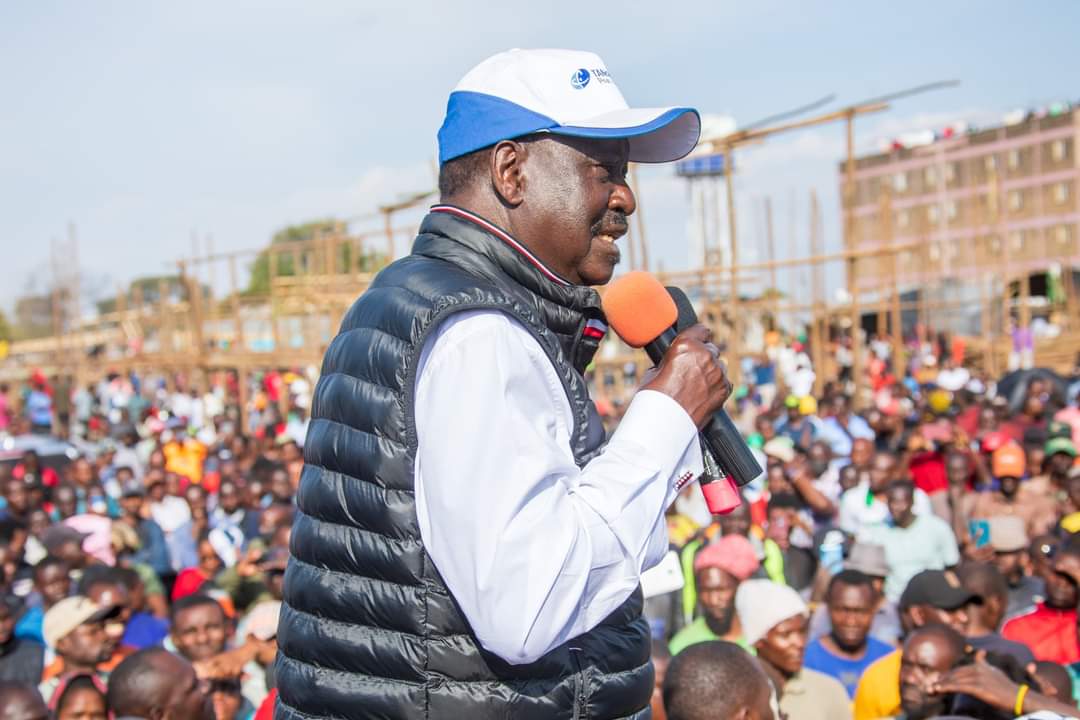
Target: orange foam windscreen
(639,308)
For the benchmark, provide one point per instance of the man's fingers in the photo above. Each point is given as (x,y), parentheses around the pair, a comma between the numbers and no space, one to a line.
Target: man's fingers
(698,332)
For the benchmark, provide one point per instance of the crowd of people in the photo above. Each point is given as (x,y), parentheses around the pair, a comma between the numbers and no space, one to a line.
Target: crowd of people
(142,559)
(912,558)
(908,556)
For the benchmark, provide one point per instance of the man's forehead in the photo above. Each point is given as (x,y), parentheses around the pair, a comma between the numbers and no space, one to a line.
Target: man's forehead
(600,149)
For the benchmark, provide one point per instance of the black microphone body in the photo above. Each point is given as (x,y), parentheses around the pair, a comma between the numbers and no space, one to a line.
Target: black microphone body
(720,435)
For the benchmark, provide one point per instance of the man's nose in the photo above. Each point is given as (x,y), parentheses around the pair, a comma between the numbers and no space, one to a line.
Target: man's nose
(623,198)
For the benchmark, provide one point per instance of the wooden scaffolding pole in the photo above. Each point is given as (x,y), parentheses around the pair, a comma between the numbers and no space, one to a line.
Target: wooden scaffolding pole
(853,263)
(735,341)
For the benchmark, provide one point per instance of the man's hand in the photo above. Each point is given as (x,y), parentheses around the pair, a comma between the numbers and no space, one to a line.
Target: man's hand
(692,375)
(982,681)
(226,665)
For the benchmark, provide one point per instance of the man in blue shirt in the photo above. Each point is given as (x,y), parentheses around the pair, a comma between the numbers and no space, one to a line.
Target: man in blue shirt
(848,649)
(843,428)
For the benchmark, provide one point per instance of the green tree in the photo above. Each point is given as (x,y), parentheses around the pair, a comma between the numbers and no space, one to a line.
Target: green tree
(148,287)
(260,269)
(259,282)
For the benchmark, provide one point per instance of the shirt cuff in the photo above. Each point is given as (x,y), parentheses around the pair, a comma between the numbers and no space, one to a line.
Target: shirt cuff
(654,420)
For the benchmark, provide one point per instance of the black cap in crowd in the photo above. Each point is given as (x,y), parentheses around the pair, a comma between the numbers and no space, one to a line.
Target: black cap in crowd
(937,588)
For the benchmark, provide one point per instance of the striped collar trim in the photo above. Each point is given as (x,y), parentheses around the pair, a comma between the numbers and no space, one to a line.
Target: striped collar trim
(505,237)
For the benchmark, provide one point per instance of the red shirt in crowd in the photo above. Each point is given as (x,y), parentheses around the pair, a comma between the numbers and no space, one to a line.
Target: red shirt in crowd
(1050,633)
(928,472)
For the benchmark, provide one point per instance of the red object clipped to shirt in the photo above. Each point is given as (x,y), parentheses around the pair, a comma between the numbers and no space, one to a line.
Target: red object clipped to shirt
(1050,633)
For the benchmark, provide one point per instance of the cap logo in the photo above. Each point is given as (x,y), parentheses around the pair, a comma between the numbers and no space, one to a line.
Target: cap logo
(951,579)
(580,79)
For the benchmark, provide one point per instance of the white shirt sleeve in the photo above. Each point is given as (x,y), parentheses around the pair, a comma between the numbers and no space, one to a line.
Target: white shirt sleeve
(535,550)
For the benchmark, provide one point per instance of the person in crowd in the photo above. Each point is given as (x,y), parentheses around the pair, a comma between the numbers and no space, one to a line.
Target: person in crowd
(39,406)
(75,630)
(848,649)
(107,588)
(52,583)
(1049,630)
(231,513)
(1012,556)
(65,502)
(33,472)
(66,543)
(985,617)
(173,515)
(718,680)
(796,426)
(190,580)
(200,629)
(912,543)
(153,550)
(16,500)
(1060,458)
(774,620)
(1008,466)
(719,568)
(156,684)
(80,696)
(738,522)
(929,653)
(869,560)
(932,596)
(785,561)
(987,687)
(843,427)
(257,634)
(142,627)
(865,505)
(19,701)
(21,660)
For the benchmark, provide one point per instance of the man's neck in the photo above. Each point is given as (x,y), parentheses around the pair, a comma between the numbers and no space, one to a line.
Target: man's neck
(71,667)
(833,647)
(779,677)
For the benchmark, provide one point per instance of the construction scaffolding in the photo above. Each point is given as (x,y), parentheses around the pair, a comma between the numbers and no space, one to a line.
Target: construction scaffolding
(197,326)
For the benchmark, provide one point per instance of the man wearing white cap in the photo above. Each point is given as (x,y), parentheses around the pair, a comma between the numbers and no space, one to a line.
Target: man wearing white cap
(774,619)
(469,544)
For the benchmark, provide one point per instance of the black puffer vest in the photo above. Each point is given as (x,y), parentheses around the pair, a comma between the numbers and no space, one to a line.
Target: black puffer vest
(368,628)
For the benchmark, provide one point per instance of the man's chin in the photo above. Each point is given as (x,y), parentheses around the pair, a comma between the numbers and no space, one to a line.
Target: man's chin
(599,272)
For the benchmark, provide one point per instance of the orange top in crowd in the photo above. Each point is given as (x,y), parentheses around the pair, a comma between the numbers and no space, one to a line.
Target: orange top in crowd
(639,308)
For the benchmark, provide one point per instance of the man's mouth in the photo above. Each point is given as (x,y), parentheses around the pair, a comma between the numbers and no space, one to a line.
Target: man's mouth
(610,235)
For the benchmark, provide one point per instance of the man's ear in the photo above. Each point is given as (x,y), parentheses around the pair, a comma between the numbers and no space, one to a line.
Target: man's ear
(508,172)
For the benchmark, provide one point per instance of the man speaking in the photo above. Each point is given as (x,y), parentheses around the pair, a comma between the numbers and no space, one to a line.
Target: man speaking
(468,546)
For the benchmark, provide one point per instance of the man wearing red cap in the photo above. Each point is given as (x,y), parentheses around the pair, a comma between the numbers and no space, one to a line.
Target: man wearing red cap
(718,570)
(1008,466)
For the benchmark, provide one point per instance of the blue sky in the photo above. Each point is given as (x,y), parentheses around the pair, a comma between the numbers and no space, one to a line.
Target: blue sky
(142,122)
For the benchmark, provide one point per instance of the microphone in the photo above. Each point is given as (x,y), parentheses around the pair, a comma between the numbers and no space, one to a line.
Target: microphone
(645,314)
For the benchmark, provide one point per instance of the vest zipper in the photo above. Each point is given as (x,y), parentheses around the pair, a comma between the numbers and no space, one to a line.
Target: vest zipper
(581,710)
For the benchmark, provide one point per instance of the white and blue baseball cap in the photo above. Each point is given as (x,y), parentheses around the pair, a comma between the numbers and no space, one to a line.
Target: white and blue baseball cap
(565,92)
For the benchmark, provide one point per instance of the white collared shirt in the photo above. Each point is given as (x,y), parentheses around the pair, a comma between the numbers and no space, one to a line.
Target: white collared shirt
(535,550)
